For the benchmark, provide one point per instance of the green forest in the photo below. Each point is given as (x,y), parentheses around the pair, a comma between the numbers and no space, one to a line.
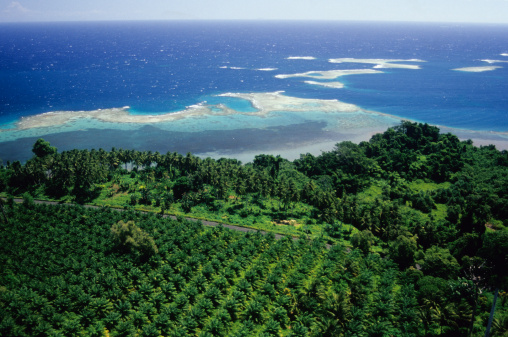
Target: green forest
(403,235)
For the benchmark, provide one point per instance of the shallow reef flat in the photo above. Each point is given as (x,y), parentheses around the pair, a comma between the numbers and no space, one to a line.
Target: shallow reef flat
(113,115)
(264,104)
(275,124)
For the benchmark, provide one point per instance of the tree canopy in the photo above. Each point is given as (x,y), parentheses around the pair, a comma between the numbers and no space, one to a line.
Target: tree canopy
(403,235)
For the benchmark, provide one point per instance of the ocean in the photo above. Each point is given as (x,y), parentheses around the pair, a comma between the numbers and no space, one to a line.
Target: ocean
(236,89)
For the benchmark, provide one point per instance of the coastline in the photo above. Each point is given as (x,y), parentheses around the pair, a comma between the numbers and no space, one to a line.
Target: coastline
(317,125)
(480,138)
(289,142)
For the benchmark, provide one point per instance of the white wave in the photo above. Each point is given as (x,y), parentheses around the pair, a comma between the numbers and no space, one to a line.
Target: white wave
(236,68)
(196,106)
(381,63)
(224,67)
(300,58)
(239,94)
(494,61)
(504,54)
(330,74)
(396,65)
(334,85)
(477,69)
(266,69)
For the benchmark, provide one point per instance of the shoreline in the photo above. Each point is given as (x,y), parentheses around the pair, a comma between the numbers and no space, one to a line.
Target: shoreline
(479,138)
(290,141)
(318,125)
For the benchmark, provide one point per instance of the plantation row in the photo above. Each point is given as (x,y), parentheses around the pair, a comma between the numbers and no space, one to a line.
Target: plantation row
(65,273)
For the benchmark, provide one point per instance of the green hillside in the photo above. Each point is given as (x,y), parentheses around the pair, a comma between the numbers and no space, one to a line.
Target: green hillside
(404,235)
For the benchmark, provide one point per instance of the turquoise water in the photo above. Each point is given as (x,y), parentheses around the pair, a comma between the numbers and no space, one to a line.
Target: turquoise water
(157,68)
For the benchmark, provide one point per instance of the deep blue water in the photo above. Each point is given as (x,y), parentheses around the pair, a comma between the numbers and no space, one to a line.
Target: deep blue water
(165,66)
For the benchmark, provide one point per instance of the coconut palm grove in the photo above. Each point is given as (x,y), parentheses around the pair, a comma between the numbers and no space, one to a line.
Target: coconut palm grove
(403,235)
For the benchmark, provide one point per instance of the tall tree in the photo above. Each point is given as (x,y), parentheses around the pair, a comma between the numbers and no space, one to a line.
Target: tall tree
(42,148)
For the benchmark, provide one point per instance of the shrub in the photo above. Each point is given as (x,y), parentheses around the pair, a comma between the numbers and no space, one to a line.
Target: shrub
(130,237)
(363,240)
(28,200)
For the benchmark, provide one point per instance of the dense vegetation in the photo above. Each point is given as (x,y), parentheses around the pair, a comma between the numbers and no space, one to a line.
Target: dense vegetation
(417,222)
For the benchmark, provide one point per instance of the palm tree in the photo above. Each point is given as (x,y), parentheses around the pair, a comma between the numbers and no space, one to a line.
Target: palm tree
(427,315)
(309,293)
(272,327)
(337,306)
(147,158)
(232,306)
(215,327)
(448,317)
(327,327)
(298,330)
(254,312)
(500,326)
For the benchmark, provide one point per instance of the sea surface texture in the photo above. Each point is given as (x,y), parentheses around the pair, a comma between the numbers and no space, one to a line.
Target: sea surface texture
(236,89)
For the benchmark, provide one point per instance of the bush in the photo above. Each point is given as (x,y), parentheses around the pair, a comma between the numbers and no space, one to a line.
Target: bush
(363,240)
(28,200)
(438,262)
(130,237)
(403,250)
(134,199)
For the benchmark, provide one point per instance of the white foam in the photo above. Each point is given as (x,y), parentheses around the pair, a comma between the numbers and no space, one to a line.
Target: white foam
(236,68)
(504,54)
(380,63)
(266,69)
(396,65)
(300,58)
(330,74)
(477,69)
(494,61)
(334,85)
